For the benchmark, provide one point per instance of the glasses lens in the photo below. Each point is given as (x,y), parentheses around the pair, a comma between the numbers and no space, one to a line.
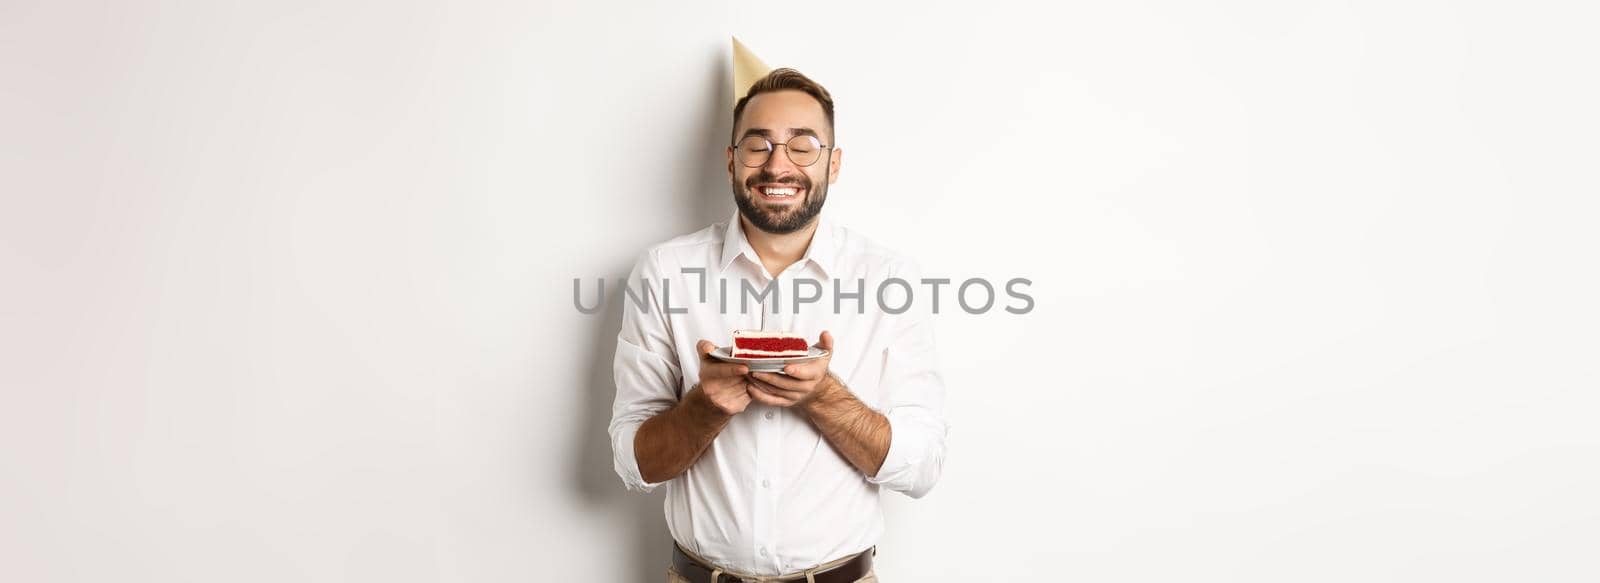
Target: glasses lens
(753,151)
(804,150)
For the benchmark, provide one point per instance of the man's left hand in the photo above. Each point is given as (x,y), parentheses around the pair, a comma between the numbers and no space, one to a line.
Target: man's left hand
(800,384)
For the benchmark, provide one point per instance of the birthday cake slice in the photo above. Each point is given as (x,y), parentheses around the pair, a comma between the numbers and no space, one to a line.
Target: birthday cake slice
(767,344)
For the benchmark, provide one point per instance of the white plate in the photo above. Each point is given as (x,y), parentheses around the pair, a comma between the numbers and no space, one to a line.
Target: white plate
(725,354)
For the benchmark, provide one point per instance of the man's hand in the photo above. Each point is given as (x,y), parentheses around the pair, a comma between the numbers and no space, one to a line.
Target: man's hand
(724,383)
(668,443)
(804,384)
(858,433)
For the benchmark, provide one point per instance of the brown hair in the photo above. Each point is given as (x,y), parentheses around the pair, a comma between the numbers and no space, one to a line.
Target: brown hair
(779,80)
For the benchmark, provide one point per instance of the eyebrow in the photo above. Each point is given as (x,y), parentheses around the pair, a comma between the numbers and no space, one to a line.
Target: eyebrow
(766,133)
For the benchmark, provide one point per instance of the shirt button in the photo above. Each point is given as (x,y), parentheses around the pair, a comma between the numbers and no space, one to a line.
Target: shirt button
(766,483)
(769,414)
(763,551)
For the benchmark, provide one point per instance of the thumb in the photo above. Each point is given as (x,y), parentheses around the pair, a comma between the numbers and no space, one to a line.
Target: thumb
(704,347)
(826,341)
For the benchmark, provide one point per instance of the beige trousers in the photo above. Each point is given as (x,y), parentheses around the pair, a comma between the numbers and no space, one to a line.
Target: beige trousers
(674,577)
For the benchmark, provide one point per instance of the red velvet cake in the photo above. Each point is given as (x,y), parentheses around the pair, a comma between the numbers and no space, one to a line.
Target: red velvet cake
(765,344)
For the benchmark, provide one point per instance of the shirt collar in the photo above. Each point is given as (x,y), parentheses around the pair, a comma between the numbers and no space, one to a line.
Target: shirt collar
(821,251)
(734,244)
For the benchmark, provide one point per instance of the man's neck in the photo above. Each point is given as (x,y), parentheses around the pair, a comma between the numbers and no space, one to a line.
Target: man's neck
(778,252)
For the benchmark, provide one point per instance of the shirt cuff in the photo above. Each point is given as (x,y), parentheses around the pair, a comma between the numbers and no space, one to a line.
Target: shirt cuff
(916,454)
(627,464)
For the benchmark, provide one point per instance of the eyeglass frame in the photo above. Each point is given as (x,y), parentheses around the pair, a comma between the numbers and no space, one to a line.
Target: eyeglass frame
(787,152)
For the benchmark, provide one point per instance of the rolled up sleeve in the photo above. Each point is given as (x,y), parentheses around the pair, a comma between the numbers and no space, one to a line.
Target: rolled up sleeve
(645,372)
(915,408)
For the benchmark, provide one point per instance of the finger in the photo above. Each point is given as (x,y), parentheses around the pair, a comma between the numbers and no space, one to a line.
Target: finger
(776,384)
(826,341)
(776,390)
(806,372)
(720,370)
(780,381)
(704,347)
(760,395)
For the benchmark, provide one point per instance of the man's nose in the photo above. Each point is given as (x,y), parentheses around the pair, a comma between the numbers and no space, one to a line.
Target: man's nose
(779,160)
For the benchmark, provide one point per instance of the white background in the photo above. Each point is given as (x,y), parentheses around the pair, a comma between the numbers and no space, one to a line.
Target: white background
(287,285)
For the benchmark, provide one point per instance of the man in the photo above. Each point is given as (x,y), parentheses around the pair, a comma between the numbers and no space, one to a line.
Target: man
(776,477)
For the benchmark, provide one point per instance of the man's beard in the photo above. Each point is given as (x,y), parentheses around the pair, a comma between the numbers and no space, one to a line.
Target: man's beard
(771,222)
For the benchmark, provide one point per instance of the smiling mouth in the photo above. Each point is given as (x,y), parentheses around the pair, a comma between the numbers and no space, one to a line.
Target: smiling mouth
(778,192)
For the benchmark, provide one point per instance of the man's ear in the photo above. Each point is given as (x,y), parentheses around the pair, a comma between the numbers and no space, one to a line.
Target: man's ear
(730,162)
(835,159)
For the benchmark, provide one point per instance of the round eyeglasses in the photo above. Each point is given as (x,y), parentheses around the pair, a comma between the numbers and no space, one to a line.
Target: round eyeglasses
(803,150)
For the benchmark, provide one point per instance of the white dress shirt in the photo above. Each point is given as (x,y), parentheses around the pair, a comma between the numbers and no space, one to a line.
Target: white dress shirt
(770,496)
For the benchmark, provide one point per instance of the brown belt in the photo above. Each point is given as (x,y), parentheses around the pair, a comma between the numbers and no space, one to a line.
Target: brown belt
(698,572)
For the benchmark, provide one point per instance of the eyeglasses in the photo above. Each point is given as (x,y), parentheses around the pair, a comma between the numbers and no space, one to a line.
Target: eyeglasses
(803,150)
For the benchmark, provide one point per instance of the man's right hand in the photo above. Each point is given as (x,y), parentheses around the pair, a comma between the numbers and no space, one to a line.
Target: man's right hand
(724,383)
(670,442)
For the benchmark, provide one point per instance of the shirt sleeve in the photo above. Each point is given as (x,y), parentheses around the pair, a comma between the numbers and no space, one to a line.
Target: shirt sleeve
(914,407)
(645,369)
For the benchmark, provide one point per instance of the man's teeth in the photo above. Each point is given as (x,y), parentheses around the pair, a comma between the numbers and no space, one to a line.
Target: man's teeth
(769,191)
